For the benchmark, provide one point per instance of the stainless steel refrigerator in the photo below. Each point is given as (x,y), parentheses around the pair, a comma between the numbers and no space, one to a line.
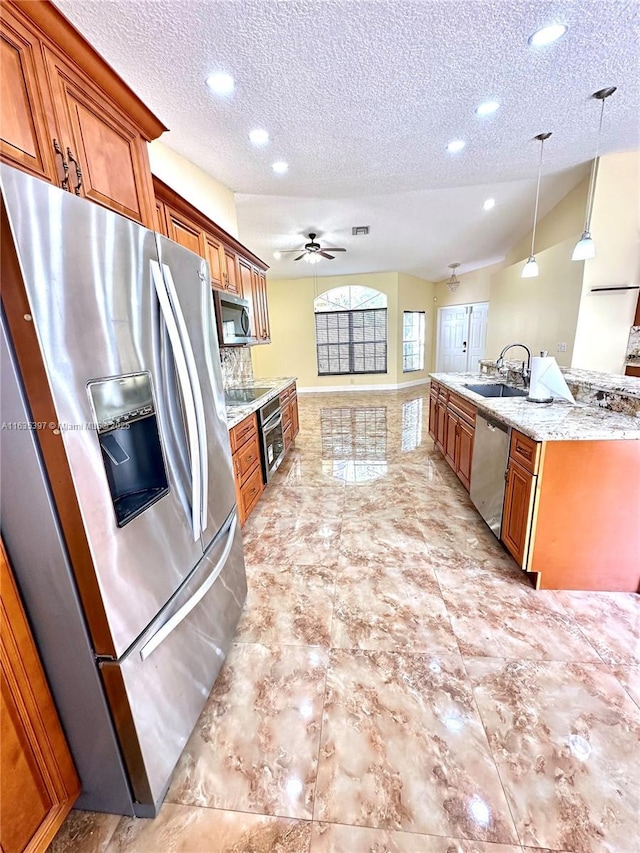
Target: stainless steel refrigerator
(117,502)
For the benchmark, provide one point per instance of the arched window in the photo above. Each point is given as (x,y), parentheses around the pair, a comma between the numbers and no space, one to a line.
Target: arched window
(351,330)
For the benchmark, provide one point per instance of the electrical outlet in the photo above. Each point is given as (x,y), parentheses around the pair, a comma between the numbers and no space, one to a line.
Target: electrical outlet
(562,347)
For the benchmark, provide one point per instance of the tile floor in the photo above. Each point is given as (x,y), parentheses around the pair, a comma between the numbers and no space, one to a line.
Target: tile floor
(396,683)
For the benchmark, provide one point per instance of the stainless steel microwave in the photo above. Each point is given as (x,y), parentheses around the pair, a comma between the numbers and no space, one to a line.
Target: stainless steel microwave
(233,318)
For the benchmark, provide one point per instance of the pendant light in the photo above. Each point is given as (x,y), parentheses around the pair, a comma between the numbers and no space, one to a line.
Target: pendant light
(454,282)
(585,247)
(530,269)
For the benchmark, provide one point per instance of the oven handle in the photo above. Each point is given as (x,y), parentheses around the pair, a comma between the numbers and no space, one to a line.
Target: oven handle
(272,420)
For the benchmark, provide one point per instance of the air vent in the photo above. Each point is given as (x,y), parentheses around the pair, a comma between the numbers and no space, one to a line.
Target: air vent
(360,230)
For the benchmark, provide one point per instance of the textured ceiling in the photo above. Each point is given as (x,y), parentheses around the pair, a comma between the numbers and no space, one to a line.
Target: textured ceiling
(360,97)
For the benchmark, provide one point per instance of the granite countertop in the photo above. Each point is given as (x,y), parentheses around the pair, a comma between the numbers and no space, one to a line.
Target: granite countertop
(557,421)
(238,412)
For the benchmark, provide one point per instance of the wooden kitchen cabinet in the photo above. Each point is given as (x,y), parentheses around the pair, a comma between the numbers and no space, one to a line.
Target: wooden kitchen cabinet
(68,118)
(452,426)
(24,102)
(182,231)
(247,470)
(517,512)
(38,780)
(232,266)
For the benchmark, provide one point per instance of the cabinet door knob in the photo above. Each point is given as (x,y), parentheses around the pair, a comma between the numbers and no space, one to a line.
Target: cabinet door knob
(64,181)
(73,160)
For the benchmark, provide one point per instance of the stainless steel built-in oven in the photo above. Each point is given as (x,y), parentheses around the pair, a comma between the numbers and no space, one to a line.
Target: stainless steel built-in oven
(271,437)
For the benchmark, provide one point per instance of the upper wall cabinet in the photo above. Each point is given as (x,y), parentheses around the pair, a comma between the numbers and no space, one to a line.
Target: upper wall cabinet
(231,265)
(68,118)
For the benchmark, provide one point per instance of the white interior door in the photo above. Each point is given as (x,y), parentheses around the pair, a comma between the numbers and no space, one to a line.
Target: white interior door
(477,340)
(462,337)
(452,339)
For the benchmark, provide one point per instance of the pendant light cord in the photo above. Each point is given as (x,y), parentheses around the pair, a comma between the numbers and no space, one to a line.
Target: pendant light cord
(535,212)
(594,173)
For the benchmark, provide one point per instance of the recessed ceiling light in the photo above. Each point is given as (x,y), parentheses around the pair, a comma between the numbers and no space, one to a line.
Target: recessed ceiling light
(455,146)
(487,108)
(221,84)
(277,255)
(547,35)
(259,136)
(489,204)
(280,167)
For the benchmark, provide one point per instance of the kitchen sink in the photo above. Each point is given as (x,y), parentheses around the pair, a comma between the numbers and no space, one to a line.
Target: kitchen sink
(497,389)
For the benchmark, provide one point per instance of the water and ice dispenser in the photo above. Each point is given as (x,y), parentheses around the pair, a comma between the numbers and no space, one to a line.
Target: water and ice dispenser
(125,415)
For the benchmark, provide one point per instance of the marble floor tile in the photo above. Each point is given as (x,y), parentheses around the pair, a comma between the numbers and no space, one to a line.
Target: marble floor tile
(302,541)
(386,541)
(397,609)
(89,832)
(403,748)
(629,677)
(498,614)
(334,838)
(610,620)
(288,605)
(562,735)
(291,502)
(186,829)
(378,500)
(255,746)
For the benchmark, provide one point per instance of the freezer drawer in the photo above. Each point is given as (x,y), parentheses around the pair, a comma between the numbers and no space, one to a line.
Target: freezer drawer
(158,689)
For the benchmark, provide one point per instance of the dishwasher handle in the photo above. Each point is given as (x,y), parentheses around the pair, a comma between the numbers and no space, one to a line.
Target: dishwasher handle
(493,424)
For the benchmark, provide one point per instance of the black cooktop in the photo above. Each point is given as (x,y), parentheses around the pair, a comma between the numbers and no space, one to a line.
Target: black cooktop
(238,396)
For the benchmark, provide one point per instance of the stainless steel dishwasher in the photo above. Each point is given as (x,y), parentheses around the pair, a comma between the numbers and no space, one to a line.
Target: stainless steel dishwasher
(490,457)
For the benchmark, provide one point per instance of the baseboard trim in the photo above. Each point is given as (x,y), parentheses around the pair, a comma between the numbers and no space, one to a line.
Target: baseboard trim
(332,389)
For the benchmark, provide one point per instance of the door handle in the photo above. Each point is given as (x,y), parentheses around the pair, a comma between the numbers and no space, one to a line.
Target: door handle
(464,344)
(180,615)
(64,181)
(73,160)
(192,369)
(187,397)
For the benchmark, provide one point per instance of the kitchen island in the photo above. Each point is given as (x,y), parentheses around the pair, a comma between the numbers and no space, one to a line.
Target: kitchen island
(572,498)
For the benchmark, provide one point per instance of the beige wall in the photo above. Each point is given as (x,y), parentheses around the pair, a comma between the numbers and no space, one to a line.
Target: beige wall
(605,318)
(539,312)
(565,220)
(210,196)
(292,351)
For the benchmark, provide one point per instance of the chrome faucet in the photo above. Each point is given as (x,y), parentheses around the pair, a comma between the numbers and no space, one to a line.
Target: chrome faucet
(526,370)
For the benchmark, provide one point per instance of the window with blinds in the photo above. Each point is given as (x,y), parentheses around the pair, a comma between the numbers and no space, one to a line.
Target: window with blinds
(352,341)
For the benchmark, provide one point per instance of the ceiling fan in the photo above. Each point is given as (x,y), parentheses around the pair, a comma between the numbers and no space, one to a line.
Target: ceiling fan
(313,251)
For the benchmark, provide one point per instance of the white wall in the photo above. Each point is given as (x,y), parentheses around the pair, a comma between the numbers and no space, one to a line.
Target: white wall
(210,196)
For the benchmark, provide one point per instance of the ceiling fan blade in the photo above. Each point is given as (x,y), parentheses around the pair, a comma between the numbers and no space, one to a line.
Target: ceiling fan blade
(324,255)
(287,251)
(300,256)
(333,249)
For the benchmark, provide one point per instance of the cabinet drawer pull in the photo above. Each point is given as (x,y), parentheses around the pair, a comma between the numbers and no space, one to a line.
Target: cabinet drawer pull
(64,182)
(73,160)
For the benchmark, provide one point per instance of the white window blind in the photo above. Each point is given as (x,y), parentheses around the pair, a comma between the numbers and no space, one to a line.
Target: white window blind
(351,341)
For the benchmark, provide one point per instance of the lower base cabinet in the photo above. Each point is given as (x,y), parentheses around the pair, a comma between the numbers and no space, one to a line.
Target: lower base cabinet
(38,780)
(246,454)
(247,469)
(517,512)
(452,427)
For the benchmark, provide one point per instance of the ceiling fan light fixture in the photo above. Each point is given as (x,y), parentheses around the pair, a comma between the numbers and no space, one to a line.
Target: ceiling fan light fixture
(585,247)
(312,258)
(530,269)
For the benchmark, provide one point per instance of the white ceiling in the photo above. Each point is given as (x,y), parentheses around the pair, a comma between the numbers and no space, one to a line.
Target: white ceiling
(360,97)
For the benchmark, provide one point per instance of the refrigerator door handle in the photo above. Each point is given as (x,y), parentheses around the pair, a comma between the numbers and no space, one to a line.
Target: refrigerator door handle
(171,624)
(187,396)
(197,394)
